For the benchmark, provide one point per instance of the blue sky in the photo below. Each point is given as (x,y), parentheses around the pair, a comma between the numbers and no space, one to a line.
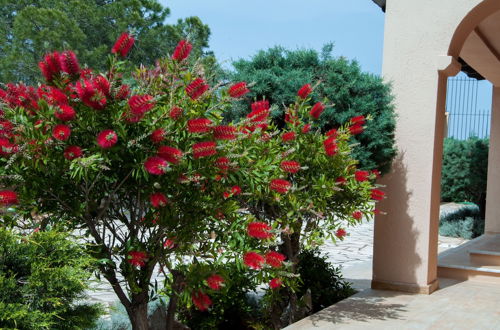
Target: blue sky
(241,28)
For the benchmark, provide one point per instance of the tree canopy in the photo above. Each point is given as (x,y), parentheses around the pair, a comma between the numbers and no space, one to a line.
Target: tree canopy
(31,28)
(278,73)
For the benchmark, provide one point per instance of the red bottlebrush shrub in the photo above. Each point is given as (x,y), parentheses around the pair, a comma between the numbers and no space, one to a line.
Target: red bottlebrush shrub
(148,191)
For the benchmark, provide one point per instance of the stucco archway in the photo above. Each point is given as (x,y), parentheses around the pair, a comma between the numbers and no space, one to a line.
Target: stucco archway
(422,44)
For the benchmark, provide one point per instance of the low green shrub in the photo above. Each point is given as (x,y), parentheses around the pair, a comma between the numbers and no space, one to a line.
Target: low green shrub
(465,222)
(325,281)
(464,174)
(43,278)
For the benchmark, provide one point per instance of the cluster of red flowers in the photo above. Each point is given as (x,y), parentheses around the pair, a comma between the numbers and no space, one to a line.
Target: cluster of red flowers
(215,282)
(170,154)
(304,91)
(361,176)
(156,165)
(260,230)
(224,132)
(137,258)
(201,300)
(357,125)
(54,64)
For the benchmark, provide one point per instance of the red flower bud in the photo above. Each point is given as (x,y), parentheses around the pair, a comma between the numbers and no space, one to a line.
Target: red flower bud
(182,50)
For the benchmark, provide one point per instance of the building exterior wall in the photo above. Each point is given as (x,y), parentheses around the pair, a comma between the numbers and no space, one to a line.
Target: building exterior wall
(417,37)
(493,185)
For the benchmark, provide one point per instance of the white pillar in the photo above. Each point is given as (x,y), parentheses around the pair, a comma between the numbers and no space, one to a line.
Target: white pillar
(493,188)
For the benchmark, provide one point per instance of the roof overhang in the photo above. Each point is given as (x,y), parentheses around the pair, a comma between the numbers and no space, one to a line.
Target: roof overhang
(381,4)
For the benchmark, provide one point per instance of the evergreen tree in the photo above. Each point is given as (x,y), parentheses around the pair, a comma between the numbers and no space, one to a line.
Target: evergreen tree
(31,28)
(278,73)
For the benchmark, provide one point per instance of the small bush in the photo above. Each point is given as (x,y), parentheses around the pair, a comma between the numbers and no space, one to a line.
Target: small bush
(323,279)
(464,174)
(465,222)
(43,277)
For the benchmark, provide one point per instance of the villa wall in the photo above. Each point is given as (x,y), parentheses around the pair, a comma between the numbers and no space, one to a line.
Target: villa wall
(417,41)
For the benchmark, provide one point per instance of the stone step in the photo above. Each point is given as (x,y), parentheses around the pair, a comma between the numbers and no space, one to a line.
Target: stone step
(490,274)
(485,257)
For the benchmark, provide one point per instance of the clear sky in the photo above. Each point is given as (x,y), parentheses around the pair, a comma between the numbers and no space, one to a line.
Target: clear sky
(241,28)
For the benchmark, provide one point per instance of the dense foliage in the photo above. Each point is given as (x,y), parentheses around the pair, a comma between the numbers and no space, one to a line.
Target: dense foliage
(464,173)
(160,184)
(278,72)
(465,222)
(31,28)
(43,276)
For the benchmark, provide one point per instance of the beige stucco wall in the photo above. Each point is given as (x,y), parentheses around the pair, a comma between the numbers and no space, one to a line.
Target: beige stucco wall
(418,35)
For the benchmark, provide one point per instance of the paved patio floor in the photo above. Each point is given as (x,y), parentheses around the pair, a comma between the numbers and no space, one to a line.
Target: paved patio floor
(457,305)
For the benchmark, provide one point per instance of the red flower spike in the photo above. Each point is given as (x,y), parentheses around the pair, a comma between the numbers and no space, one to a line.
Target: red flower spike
(259,230)
(341,180)
(69,63)
(361,176)
(377,194)
(275,259)
(6,126)
(290,166)
(102,85)
(317,110)
(306,128)
(137,258)
(376,173)
(123,44)
(260,111)
(6,147)
(61,132)
(215,282)
(123,92)
(182,50)
(158,200)
(107,138)
(238,89)
(304,91)
(90,96)
(8,197)
(199,125)
(196,89)
(332,133)
(281,186)
(140,104)
(358,215)
(356,129)
(204,149)
(253,260)
(50,66)
(330,146)
(340,233)
(156,165)
(175,113)
(223,132)
(65,113)
(222,163)
(288,136)
(72,152)
(158,135)
(170,154)
(358,120)
(201,300)
(275,283)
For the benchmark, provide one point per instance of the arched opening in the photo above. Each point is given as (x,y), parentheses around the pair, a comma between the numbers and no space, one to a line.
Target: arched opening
(476,45)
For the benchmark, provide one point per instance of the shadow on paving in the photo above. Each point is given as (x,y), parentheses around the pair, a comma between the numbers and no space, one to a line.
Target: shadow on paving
(361,309)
